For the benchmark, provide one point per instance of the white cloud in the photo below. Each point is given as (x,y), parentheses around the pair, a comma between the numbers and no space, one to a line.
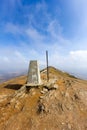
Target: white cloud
(6,59)
(79,54)
(13,29)
(12,60)
(34,34)
(18,59)
(79,58)
(55,29)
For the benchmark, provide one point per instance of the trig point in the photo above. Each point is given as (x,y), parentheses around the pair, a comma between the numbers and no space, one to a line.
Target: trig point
(33,74)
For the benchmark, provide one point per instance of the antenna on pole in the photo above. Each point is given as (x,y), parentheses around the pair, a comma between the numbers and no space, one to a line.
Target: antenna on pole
(47,66)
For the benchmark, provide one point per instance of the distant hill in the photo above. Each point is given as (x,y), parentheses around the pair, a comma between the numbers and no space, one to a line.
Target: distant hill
(60,104)
(7,76)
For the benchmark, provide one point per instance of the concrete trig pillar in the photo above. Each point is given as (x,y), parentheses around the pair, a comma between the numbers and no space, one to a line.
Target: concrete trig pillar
(33,73)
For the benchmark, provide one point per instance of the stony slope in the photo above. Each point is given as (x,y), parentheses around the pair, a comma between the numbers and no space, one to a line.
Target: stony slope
(60,104)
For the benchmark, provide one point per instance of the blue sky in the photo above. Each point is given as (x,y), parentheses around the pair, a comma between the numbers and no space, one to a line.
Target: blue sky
(30,27)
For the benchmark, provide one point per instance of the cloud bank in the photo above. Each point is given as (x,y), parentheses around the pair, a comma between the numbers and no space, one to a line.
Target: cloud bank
(28,29)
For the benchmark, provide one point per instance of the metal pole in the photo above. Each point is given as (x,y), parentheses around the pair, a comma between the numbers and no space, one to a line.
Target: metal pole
(47,66)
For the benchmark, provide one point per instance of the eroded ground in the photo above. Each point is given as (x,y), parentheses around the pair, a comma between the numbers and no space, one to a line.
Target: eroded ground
(60,104)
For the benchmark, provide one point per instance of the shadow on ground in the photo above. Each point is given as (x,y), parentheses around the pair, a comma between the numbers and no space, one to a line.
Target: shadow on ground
(13,86)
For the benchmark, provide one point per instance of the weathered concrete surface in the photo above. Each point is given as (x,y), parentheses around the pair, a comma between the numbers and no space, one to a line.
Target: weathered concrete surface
(34,73)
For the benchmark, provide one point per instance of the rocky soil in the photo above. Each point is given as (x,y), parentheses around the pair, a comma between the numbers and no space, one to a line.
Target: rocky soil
(60,104)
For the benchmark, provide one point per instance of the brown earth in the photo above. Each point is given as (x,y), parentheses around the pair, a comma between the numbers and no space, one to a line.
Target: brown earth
(60,104)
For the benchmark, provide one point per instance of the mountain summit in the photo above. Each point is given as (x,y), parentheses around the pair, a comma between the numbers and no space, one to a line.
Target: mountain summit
(60,104)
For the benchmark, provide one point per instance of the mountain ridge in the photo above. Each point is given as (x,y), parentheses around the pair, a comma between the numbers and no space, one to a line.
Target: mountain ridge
(60,104)
(8,76)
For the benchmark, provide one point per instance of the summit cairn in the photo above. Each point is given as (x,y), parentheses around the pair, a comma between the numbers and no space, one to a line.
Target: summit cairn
(33,77)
